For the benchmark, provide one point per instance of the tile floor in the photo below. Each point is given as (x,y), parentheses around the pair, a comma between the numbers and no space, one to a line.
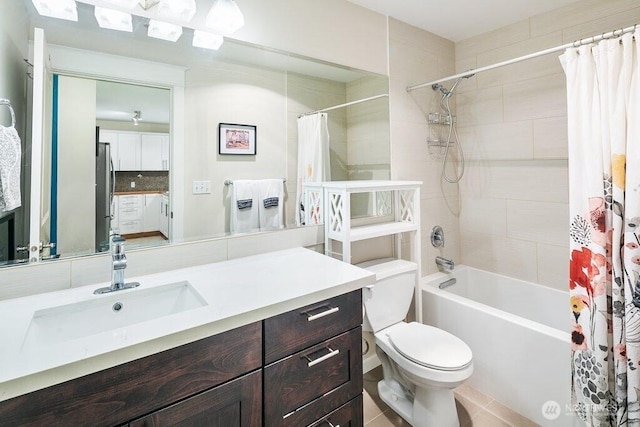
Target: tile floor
(474,408)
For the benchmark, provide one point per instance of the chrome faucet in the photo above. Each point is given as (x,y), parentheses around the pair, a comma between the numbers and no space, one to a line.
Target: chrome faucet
(446,263)
(118,264)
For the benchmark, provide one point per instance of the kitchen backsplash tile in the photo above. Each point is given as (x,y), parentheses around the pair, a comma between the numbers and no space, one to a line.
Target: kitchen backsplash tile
(144,181)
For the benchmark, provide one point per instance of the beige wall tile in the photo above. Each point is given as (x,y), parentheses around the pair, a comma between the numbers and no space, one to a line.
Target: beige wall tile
(604,24)
(492,40)
(553,265)
(482,106)
(539,180)
(511,257)
(540,222)
(413,36)
(25,280)
(577,13)
(484,215)
(156,260)
(252,244)
(537,98)
(499,141)
(550,138)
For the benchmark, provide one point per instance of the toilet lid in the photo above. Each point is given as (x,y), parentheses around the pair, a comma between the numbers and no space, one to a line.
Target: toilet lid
(431,347)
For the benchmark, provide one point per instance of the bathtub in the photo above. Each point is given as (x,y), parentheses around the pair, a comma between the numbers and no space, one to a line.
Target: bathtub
(518,332)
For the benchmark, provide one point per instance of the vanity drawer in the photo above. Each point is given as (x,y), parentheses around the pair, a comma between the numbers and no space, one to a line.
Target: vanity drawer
(348,415)
(306,326)
(302,388)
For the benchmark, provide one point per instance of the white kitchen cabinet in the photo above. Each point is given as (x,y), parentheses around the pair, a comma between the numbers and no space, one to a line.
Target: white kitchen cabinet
(151,152)
(165,152)
(131,213)
(164,216)
(128,152)
(136,151)
(152,212)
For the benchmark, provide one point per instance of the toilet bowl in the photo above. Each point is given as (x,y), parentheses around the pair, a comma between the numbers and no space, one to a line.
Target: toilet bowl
(421,364)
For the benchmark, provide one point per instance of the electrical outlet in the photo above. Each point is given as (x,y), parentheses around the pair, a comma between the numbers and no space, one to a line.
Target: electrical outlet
(133,184)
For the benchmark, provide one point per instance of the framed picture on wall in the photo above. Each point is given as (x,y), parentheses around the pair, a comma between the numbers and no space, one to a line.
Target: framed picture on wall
(237,139)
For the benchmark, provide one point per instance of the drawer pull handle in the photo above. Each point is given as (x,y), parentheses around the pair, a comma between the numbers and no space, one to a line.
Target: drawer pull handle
(322,358)
(326,420)
(312,317)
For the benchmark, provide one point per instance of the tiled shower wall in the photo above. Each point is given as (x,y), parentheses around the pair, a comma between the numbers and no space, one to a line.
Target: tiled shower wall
(416,56)
(512,122)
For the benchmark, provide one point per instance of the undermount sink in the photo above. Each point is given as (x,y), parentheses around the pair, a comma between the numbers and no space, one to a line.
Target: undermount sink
(105,313)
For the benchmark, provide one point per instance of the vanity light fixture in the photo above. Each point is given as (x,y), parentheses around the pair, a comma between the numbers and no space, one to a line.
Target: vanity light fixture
(206,40)
(113,19)
(164,30)
(62,9)
(137,117)
(181,10)
(224,17)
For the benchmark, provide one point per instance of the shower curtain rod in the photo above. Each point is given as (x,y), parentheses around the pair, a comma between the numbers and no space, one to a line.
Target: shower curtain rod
(335,107)
(588,40)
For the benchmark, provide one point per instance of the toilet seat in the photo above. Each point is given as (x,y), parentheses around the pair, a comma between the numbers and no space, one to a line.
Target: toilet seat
(430,347)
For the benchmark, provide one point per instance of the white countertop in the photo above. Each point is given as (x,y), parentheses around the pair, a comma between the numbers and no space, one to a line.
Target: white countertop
(237,292)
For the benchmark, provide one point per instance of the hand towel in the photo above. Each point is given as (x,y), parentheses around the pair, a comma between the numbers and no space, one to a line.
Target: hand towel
(10,157)
(271,201)
(244,210)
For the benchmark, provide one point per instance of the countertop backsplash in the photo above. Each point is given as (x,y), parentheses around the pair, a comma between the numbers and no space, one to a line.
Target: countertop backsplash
(144,181)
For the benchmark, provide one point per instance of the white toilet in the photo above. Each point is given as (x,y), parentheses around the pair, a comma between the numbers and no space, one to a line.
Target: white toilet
(421,364)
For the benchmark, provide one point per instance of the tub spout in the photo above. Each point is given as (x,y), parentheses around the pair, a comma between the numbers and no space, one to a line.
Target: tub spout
(446,263)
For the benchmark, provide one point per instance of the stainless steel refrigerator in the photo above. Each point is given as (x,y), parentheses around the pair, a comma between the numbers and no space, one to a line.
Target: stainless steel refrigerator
(105,181)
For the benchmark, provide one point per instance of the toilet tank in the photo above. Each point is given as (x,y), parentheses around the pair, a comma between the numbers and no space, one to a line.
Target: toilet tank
(387,302)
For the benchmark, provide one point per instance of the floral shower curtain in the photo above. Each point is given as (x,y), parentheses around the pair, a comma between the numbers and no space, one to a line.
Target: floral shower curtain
(603,94)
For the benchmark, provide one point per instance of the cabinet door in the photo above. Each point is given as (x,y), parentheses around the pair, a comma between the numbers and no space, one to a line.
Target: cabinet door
(112,138)
(151,152)
(152,212)
(165,152)
(235,404)
(128,152)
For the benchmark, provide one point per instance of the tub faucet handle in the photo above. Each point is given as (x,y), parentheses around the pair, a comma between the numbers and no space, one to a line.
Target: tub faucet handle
(444,262)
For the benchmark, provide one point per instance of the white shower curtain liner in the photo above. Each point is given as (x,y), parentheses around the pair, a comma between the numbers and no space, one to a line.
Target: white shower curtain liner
(603,106)
(313,157)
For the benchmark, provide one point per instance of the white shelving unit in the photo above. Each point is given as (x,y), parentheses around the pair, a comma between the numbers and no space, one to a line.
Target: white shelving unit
(395,203)
(393,209)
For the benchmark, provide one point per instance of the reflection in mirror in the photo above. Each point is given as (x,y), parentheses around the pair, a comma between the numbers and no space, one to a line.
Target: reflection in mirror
(240,83)
(109,171)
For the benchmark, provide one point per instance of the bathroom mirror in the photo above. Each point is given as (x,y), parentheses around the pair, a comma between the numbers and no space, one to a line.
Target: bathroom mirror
(243,84)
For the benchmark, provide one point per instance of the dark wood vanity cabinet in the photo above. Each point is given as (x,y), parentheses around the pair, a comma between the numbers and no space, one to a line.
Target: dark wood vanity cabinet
(313,362)
(301,368)
(234,404)
(118,395)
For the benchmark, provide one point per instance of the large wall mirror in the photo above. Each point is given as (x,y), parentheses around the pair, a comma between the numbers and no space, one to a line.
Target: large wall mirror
(174,145)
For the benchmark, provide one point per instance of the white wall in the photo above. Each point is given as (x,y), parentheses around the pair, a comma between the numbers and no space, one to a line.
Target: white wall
(76,165)
(512,124)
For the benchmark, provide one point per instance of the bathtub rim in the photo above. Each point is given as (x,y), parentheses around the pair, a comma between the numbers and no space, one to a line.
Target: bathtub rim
(469,303)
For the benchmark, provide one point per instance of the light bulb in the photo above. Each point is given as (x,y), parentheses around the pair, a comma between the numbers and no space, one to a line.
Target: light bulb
(224,17)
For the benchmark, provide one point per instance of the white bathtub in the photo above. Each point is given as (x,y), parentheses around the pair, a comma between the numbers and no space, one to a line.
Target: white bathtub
(518,332)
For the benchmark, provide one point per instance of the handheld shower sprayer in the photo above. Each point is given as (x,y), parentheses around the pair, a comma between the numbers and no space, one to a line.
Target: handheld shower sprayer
(452,137)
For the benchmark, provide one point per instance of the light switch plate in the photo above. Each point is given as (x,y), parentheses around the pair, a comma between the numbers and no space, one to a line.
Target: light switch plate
(201,187)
